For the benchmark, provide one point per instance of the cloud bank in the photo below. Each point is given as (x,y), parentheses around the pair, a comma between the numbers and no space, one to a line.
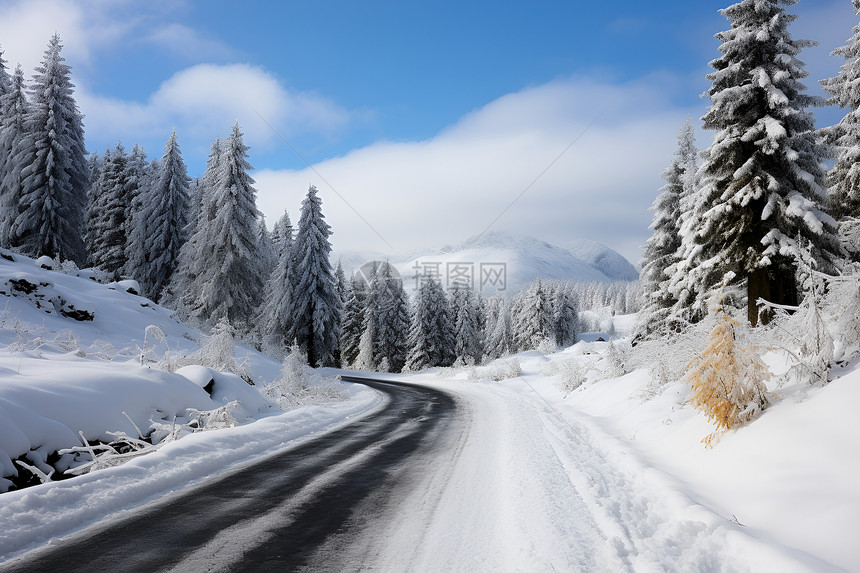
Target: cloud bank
(442,190)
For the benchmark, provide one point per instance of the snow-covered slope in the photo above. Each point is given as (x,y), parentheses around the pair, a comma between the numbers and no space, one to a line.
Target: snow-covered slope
(779,494)
(604,259)
(78,357)
(499,262)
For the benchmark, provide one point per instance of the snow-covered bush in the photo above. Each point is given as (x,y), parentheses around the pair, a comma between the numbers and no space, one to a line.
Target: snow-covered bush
(728,379)
(217,352)
(300,384)
(571,374)
(497,370)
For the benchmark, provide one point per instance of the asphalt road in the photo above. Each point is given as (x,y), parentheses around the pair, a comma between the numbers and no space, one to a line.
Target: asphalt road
(297,510)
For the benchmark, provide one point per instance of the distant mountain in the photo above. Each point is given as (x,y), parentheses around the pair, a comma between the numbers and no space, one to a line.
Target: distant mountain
(604,259)
(503,263)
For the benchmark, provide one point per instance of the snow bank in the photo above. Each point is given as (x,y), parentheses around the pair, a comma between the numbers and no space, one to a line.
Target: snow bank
(32,516)
(75,359)
(786,485)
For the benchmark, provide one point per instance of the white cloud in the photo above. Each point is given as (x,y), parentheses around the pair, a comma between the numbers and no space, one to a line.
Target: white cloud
(27,25)
(187,42)
(445,189)
(203,101)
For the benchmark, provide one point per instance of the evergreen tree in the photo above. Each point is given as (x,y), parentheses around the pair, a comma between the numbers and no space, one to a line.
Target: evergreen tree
(107,231)
(141,176)
(844,178)
(5,80)
(14,109)
(532,318)
(564,320)
(282,234)
(498,330)
(315,307)
(340,283)
(266,249)
(275,313)
(220,274)
(468,333)
(51,212)
(388,320)
(431,339)
(664,249)
(353,321)
(162,222)
(762,184)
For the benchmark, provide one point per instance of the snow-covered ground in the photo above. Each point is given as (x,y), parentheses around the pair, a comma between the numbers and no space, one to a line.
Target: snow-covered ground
(611,476)
(780,494)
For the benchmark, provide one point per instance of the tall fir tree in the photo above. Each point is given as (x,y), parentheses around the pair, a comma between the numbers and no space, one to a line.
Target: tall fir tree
(498,331)
(162,221)
(353,320)
(282,234)
(275,313)
(219,273)
(141,176)
(14,109)
(107,232)
(844,178)
(431,335)
(532,317)
(314,304)
(663,250)
(5,79)
(762,187)
(468,332)
(52,209)
(564,319)
(388,320)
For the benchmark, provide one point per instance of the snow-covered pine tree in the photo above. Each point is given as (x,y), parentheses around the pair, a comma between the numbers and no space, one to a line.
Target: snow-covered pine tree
(762,180)
(498,332)
(431,334)
(195,202)
(275,313)
(388,320)
(107,232)
(282,234)
(14,109)
(468,332)
(140,176)
(315,307)
(52,209)
(844,178)
(532,321)
(266,249)
(564,320)
(663,249)
(340,284)
(162,222)
(5,89)
(219,273)
(353,321)
(5,80)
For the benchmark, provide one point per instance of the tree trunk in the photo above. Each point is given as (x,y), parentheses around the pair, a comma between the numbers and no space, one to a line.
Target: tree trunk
(775,284)
(758,287)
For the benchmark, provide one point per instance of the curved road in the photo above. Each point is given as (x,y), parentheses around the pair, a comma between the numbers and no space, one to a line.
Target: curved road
(297,510)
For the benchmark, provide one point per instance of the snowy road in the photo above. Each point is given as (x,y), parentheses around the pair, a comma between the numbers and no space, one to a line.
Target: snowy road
(451,476)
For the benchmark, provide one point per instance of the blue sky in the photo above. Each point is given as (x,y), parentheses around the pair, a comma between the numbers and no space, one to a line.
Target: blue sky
(428,118)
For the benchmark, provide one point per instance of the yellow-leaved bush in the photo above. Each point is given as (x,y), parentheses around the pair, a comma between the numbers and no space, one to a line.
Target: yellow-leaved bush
(728,380)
